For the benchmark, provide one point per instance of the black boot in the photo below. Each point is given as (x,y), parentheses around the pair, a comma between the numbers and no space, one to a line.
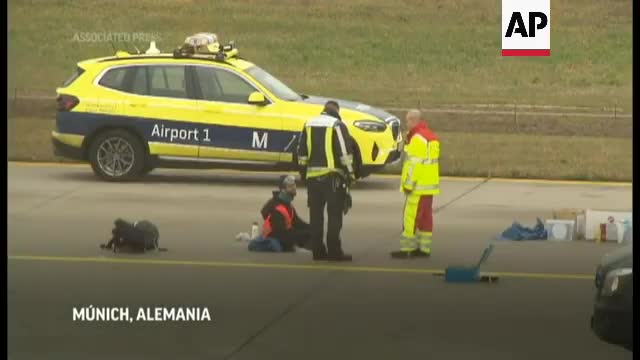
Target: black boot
(419,253)
(342,257)
(400,254)
(318,256)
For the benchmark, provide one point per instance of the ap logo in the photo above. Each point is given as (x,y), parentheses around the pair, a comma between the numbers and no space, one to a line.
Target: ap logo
(526,28)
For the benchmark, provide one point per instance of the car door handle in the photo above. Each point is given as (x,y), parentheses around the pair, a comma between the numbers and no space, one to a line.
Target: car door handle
(137,105)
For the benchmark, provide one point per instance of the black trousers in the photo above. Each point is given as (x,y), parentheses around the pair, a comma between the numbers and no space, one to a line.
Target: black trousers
(296,237)
(326,191)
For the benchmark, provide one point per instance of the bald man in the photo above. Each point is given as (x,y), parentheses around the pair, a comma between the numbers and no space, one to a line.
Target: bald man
(420,182)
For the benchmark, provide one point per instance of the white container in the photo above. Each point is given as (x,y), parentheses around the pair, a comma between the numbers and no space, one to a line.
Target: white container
(614,232)
(593,219)
(255,230)
(560,230)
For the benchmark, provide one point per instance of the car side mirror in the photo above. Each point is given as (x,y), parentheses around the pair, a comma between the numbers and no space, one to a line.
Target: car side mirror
(257,98)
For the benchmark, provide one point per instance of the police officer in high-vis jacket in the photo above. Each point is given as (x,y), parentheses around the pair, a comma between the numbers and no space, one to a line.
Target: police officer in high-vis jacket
(420,182)
(325,151)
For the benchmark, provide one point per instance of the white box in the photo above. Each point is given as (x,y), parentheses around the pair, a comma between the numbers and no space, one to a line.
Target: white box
(559,230)
(593,219)
(581,227)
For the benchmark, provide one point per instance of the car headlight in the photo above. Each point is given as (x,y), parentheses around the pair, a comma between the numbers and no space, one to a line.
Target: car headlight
(614,280)
(394,123)
(368,125)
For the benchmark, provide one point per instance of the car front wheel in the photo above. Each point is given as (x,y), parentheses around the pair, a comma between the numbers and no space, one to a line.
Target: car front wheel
(117,155)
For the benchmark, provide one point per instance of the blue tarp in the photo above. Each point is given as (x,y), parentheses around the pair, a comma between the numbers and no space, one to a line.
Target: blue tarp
(519,232)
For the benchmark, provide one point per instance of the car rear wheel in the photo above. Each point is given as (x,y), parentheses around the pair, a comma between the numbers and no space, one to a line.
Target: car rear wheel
(117,155)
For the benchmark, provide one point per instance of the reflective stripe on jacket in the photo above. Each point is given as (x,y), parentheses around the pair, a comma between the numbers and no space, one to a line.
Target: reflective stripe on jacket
(325,147)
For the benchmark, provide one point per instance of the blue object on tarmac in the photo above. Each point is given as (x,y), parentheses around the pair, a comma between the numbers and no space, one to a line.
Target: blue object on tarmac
(467,273)
(519,232)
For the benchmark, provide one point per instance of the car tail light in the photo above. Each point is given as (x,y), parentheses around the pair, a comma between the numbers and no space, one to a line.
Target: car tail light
(67,102)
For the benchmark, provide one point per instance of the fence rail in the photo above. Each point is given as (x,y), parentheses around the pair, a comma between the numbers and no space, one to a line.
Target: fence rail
(613,114)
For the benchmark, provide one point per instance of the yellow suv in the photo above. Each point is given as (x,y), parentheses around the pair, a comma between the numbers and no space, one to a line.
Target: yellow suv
(130,113)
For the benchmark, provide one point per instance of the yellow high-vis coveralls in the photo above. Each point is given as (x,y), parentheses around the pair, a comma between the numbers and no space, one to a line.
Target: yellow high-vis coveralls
(420,182)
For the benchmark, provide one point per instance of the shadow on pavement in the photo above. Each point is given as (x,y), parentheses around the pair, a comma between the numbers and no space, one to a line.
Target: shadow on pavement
(228,179)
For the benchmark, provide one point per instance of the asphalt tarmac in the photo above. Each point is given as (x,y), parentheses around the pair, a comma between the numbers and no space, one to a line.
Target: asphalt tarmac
(284,306)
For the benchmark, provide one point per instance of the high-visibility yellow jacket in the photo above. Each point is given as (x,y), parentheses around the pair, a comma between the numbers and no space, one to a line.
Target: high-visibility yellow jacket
(325,147)
(421,171)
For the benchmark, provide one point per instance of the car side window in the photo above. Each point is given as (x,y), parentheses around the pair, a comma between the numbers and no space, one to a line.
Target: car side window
(114,78)
(167,81)
(222,85)
(140,85)
(209,86)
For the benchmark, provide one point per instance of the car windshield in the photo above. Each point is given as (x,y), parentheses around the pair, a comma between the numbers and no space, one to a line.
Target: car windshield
(277,87)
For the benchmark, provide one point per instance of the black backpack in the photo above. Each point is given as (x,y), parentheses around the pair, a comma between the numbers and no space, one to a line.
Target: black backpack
(148,235)
(141,236)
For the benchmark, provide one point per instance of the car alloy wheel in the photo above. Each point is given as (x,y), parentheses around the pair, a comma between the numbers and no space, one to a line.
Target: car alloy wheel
(115,156)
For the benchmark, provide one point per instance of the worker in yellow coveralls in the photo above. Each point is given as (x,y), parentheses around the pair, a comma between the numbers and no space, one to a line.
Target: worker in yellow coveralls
(420,182)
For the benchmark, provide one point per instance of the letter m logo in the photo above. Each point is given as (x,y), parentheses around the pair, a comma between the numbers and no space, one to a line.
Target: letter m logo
(260,142)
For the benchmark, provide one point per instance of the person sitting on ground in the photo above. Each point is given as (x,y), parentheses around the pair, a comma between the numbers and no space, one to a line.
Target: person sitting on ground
(283,229)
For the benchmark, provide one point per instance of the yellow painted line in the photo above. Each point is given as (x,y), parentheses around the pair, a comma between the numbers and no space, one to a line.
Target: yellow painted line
(453,178)
(366,269)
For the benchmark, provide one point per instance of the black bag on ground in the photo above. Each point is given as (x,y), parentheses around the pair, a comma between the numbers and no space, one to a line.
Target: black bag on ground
(141,236)
(149,234)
